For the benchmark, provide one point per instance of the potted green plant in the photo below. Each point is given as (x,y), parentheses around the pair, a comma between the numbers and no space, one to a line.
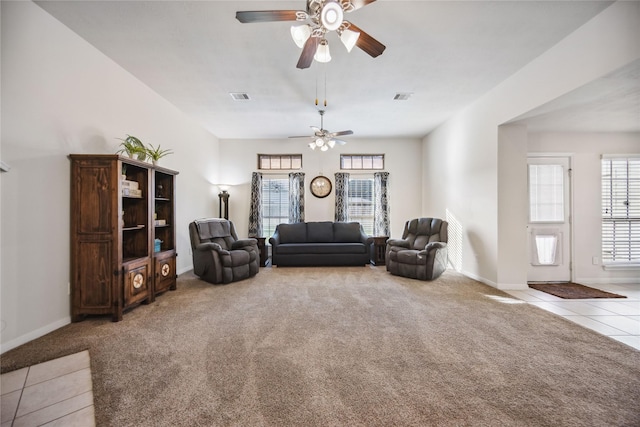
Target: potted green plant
(156,153)
(132,146)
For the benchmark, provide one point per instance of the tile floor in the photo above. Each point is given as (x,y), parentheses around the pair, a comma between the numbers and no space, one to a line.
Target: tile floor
(54,393)
(59,392)
(618,318)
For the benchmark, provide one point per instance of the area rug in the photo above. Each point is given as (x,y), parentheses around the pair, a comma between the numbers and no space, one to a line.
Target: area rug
(570,290)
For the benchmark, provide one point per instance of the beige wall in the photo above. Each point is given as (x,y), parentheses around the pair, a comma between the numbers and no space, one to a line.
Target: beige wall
(60,95)
(402,161)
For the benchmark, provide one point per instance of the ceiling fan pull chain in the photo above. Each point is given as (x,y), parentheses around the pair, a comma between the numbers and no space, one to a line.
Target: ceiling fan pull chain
(316,87)
(325,84)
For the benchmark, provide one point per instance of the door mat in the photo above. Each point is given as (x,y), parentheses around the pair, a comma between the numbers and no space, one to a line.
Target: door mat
(570,290)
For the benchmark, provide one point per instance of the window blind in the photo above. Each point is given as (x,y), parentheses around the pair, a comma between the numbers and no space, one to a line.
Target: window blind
(546,193)
(275,203)
(360,202)
(620,210)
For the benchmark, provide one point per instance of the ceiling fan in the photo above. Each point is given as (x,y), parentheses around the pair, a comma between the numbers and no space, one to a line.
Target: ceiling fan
(322,138)
(324,16)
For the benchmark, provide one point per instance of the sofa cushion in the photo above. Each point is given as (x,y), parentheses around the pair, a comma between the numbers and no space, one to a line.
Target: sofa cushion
(321,248)
(346,232)
(293,233)
(321,232)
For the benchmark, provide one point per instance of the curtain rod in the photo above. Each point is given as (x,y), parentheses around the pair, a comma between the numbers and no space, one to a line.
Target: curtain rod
(350,173)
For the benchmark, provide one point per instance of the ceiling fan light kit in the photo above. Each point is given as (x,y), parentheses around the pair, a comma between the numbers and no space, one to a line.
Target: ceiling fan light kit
(331,15)
(325,16)
(322,138)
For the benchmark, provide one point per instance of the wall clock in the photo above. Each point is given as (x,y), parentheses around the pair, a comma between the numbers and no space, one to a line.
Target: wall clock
(320,186)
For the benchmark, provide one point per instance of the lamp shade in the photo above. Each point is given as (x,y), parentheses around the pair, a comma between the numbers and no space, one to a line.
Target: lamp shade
(322,53)
(331,143)
(349,39)
(300,34)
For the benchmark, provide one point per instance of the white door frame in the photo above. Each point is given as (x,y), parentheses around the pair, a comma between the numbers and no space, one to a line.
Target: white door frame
(569,158)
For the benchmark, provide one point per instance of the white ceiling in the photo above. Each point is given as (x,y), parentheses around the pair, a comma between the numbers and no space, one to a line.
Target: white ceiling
(445,53)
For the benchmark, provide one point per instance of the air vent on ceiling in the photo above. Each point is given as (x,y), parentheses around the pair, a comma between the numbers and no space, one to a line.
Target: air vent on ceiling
(402,96)
(239,96)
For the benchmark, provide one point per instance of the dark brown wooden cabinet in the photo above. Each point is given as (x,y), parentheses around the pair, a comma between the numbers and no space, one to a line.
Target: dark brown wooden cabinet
(123,241)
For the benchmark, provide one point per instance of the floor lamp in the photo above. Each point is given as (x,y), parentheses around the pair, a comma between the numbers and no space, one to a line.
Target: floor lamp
(224,198)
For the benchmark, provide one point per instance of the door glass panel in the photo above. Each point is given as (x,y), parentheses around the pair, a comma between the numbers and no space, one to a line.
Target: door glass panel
(546,193)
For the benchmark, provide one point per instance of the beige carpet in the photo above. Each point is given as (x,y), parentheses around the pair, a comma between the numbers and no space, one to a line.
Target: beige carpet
(347,346)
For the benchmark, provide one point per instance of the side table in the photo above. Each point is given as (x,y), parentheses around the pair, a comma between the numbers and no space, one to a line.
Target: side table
(379,249)
(262,247)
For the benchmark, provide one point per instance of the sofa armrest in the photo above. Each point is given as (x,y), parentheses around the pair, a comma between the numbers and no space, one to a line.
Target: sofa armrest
(275,239)
(365,238)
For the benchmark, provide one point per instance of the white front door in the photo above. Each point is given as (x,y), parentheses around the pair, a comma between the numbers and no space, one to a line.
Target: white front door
(549,228)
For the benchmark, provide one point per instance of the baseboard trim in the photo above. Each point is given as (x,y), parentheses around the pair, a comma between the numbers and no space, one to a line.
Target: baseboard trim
(479,279)
(513,286)
(607,281)
(500,286)
(16,342)
(184,270)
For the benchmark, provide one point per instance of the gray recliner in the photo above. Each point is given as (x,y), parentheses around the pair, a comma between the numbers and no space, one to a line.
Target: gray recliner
(218,255)
(422,251)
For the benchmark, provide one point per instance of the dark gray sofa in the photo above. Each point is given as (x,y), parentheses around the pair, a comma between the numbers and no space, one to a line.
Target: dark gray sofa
(320,244)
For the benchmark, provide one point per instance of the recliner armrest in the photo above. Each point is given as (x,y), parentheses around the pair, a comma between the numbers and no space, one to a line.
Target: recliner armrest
(434,245)
(239,244)
(398,242)
(209,246)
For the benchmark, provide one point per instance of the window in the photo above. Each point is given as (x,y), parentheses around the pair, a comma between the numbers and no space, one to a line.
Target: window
(279,161)
(361,161)
(275,203)
(360,202)
(621,210)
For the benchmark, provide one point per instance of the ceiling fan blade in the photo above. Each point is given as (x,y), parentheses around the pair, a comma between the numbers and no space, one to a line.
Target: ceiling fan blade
(367,43)
(248,17)
(316,130)
(357,4)
(308,51)
(301,136)
(344,132)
